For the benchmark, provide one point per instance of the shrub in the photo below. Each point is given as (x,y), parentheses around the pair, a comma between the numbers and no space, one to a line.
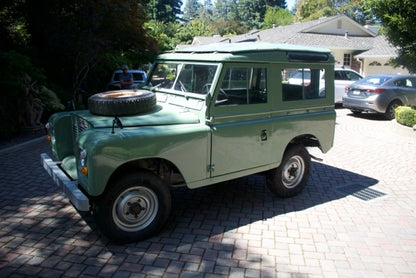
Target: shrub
(406,115)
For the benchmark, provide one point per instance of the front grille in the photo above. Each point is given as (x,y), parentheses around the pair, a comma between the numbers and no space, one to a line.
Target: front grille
(78,125)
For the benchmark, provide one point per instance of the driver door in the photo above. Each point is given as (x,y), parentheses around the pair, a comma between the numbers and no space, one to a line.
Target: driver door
(241,124)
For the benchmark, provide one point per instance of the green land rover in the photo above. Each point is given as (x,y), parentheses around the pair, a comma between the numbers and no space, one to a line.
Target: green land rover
(206,114)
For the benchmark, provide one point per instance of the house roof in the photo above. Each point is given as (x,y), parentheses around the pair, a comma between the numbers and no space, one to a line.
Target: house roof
(336,32)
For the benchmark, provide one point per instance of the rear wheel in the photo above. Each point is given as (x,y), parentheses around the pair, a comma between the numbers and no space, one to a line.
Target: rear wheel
(133,208)
(390,112)
(291,176)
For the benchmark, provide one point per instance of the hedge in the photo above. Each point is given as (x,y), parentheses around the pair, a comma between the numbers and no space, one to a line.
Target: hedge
(406,115)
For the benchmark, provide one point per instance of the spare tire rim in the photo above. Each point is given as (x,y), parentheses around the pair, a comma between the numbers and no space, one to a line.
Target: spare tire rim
(135,208)
(120,94)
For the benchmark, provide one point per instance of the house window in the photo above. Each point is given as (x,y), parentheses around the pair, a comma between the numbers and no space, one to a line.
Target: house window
(347,59)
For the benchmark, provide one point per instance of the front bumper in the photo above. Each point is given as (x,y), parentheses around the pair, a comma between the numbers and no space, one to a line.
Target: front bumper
(68,186)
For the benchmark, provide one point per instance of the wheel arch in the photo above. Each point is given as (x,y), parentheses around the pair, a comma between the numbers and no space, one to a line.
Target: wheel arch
(163,168)
(306,140)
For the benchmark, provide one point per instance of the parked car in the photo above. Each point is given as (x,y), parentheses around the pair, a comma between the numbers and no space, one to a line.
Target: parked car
(380,94)
(139,77)
(343,77)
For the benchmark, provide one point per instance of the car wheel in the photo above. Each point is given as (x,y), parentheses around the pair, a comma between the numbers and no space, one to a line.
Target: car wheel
(390,111)
(122,103)
(133,208)
(291,176)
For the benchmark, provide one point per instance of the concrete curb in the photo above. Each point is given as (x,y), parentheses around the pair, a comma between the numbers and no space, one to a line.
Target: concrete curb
(21,145)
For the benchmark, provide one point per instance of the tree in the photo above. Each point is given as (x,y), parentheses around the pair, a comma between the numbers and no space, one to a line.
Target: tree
(226,9)
(192,10)
(277,17)
(309,10)
(163,10)
(191,29)
(252,13)
(398,19)
(72,38)
(162,32)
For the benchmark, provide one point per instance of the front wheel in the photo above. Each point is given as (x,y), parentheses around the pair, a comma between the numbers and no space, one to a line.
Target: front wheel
(291,176)
(133,208)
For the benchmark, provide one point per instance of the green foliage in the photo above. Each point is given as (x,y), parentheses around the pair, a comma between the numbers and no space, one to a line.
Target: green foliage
(309,10)
(277,17)
(163,10)
(50,100)
(228,27)
(406,115)
(162,33)
(398,19)
(17,69)
(192,29)
(192,10)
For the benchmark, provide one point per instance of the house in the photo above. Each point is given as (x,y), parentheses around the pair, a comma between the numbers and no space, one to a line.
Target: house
(354,46)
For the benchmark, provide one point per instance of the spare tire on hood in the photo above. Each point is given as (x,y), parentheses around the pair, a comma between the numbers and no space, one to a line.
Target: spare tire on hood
(122,103)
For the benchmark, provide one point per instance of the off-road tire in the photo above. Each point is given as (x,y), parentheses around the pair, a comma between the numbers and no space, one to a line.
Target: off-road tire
(122,102)
(133,208)
(291,176)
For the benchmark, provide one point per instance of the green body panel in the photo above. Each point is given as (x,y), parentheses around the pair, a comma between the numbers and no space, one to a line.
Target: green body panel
(207,143)
(61,128)
(179,144)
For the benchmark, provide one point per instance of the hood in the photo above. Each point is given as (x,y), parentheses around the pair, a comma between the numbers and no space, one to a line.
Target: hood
(163,114)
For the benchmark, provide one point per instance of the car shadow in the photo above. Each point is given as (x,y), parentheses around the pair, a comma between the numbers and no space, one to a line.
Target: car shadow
(369,116)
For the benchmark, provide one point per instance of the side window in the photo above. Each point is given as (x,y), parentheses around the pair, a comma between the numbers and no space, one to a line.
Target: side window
(352,76)
(339,75)
(243,85)
(412,82)
(305,83)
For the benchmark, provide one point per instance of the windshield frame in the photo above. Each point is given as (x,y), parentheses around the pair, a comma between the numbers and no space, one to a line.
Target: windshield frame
(179,72)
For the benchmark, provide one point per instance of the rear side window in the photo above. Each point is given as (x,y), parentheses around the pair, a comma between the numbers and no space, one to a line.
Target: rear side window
(301,84)
(243,85)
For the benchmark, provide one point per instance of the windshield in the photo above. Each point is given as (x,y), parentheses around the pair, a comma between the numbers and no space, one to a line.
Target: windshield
(183,77)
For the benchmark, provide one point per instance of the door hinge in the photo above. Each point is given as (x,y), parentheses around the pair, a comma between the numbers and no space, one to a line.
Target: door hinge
(211,167)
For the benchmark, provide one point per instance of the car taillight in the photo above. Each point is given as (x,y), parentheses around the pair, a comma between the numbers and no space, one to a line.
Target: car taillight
(379,90)
(347,88)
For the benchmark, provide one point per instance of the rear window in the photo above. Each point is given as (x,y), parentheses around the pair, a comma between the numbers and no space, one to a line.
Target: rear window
(374,80)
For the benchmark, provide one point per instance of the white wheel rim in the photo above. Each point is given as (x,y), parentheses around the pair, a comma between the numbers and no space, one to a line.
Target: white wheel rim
(135,208)
(293,171)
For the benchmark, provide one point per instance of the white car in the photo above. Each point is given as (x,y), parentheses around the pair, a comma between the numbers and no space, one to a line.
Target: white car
(343,77)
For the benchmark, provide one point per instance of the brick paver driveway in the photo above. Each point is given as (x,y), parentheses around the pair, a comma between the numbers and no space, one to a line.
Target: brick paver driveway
(356,218)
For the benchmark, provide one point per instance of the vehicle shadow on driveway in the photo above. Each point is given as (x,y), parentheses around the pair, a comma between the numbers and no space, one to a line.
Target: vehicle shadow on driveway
(230,205)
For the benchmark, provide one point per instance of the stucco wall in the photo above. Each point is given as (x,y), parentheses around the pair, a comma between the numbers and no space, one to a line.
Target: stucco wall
(379,66)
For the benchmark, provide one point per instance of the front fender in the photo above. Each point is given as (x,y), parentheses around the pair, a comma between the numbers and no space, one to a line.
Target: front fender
(186,146)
